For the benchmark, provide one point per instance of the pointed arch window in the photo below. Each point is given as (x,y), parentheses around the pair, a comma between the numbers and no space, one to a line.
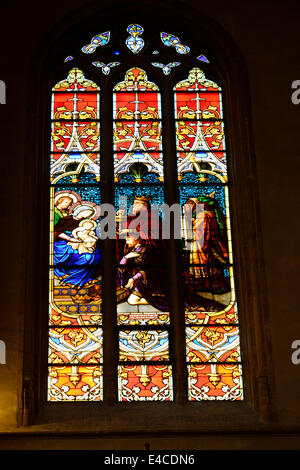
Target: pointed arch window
(144,318)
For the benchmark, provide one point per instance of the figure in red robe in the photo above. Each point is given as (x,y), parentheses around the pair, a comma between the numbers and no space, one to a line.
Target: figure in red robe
(208,254)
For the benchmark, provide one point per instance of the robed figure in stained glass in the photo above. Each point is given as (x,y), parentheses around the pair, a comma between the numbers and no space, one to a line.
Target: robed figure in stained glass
(208,253)
(140,272)
(77,253)
(144,220)
(142,265)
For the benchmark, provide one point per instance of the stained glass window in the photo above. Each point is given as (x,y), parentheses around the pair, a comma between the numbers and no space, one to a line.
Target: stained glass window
(144,320)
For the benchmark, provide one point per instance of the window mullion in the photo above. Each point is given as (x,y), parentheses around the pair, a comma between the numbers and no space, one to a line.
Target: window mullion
(177,317)
(110,334)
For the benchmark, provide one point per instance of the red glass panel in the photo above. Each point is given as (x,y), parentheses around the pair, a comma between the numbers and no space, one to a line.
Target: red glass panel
(75,105)
(145,383)
(200,136)
(75,383)
(198,105)
(75,136)
(137,135)
(215,382)
(140,106)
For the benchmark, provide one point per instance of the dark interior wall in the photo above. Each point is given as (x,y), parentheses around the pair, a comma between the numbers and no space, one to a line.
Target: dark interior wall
(266,32)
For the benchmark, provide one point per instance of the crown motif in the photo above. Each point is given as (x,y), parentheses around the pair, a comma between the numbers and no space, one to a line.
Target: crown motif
(142,199)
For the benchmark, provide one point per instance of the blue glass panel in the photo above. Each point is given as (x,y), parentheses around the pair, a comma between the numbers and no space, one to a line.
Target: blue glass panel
(155,193)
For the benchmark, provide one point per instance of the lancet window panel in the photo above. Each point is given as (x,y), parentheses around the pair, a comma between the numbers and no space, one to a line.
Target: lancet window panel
(137,126)
(207,273)
(141,286)
(75,129)
(75,274)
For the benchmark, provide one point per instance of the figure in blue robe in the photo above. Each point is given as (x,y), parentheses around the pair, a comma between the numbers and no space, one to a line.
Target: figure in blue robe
(71,266)
(74,268)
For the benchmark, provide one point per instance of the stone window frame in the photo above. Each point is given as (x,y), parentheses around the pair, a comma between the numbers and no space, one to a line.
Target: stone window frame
(110,416)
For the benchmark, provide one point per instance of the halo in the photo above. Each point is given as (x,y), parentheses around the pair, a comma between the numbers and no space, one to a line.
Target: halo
(193,199)
(74,196)
(75,209)
(90,220)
